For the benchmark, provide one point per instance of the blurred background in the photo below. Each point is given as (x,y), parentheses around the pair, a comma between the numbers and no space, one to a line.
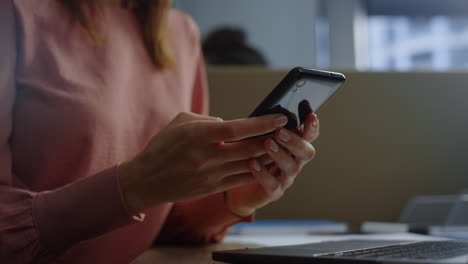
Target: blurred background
(372,35)
(399,126)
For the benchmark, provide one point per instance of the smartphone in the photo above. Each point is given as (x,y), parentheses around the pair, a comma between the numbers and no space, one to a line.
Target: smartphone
(301,92)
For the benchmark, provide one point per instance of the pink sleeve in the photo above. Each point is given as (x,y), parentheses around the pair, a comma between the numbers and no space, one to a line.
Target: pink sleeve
(44,225)
(204,220)
(39,226)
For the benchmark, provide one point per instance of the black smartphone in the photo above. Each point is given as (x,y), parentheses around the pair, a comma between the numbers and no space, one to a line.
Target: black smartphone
(301,92)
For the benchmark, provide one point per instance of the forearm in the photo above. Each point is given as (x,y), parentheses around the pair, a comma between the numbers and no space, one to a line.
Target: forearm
(41,226)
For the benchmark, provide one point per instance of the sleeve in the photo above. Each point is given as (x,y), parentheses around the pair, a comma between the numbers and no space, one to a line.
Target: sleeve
(204,220)
(35,227)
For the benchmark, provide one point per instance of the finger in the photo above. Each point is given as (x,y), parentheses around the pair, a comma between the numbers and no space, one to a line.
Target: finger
(296,145)
(265,159)
(282,158)
(231,168)
(242,128)
(184,117)
(311,128)
(286,180)
(269,183)
(240,150)
(235,181)
(274,170)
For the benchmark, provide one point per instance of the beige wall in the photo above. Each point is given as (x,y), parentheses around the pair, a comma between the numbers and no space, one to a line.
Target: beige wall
(384,138)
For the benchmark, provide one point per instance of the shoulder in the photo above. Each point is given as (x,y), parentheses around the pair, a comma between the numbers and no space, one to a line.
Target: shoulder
(182,23)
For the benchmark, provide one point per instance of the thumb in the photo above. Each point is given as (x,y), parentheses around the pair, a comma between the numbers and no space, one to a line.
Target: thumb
(185,117)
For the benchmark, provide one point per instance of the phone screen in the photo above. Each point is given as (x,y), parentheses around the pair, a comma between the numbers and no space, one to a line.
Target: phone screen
(299,98)
(313,91)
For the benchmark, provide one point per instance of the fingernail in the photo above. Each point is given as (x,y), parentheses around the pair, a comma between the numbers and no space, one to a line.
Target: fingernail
(311,132)
(284,135)
(273,146)
(256,165)
(281,121)
(314,123)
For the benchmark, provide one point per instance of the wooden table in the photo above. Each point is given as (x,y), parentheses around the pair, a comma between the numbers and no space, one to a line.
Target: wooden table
(185,254)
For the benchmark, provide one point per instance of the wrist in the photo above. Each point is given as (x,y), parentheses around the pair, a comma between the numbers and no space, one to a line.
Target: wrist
(132,194)
(235,209)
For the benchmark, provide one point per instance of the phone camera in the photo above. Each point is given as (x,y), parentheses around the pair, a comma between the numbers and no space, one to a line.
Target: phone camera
(301,83)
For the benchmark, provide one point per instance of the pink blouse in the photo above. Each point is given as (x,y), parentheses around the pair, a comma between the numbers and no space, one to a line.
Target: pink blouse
(70,110)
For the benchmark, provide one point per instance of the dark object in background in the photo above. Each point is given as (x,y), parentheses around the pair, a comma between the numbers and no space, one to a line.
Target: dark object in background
(228,46)
(439,215)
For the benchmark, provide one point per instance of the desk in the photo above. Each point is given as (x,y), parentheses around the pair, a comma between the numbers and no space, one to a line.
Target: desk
(202,254)
(185,254)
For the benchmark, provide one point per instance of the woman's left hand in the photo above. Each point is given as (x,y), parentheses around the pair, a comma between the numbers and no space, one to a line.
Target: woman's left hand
(287,153)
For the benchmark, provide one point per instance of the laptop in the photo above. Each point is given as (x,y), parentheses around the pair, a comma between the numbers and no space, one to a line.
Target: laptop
(352,251)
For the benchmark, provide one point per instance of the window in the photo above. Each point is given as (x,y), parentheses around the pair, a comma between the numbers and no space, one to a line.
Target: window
(396,35)
(418,43)
(376,35)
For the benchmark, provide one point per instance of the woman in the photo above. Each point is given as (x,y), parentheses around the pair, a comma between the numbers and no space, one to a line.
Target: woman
(99,153)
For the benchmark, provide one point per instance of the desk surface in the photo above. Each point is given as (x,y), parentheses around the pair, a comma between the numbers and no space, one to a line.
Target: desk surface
(202,254)
(185,254)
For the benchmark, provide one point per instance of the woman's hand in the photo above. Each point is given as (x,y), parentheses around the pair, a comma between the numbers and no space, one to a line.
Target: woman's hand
(288,152)
(188,159)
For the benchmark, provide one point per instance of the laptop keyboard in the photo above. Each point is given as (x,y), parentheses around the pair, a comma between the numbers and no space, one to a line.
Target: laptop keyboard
(420,250)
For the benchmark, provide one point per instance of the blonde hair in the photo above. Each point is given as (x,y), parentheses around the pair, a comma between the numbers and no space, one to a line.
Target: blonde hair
(153,18)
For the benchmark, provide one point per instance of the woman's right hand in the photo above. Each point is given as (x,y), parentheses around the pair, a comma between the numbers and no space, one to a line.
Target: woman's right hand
(191,158)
